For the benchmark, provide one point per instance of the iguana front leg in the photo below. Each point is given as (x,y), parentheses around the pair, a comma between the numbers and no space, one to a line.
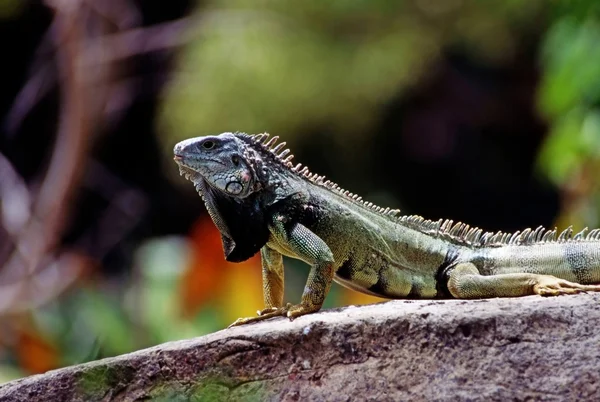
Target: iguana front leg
(272,279)
(308,247)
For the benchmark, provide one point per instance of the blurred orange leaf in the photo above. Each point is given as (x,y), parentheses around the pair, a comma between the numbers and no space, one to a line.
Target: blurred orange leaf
(242,293)
(209,276)
(35,354)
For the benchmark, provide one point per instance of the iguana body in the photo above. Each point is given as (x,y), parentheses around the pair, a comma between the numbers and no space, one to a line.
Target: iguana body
(260,201)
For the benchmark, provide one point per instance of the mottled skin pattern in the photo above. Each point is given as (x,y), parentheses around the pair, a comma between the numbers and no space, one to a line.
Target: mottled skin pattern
(259,201)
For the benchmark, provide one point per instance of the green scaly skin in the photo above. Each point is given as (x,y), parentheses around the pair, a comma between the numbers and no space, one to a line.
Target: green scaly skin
(260,201)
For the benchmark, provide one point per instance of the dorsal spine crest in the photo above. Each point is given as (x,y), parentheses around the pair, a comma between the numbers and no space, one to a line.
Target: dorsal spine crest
(281,155)
(458,232)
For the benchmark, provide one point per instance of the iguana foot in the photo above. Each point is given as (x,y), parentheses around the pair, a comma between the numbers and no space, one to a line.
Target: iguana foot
(289,310)
(552,286)
(264,314)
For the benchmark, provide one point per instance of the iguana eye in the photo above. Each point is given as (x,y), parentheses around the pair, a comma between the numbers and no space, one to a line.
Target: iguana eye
(236,160)
(208,144)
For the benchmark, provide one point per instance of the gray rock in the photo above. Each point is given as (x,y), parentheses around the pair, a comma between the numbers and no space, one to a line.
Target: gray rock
(529,348)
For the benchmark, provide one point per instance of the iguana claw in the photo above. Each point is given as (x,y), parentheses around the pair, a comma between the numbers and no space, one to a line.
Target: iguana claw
(551,286)
(265,314)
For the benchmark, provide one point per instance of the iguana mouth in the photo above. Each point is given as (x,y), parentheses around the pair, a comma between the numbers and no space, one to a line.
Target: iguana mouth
(187,172)
(199,183)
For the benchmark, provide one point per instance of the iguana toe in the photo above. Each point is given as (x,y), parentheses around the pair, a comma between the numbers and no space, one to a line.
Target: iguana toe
(299,310)
(552,286)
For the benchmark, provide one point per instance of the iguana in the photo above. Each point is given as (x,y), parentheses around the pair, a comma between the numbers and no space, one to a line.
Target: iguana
(260,201)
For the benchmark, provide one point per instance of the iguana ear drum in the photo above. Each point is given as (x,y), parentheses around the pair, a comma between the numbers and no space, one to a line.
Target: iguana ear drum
(234,187)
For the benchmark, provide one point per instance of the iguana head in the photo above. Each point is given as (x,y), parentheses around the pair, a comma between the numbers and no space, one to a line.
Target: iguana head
(227,172)
(222,161)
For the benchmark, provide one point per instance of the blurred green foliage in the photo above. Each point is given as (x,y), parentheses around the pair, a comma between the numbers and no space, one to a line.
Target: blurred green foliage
(569,97)
(10,8)
(269,65)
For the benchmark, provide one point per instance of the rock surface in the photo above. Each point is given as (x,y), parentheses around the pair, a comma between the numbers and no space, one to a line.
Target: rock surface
(529,348)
